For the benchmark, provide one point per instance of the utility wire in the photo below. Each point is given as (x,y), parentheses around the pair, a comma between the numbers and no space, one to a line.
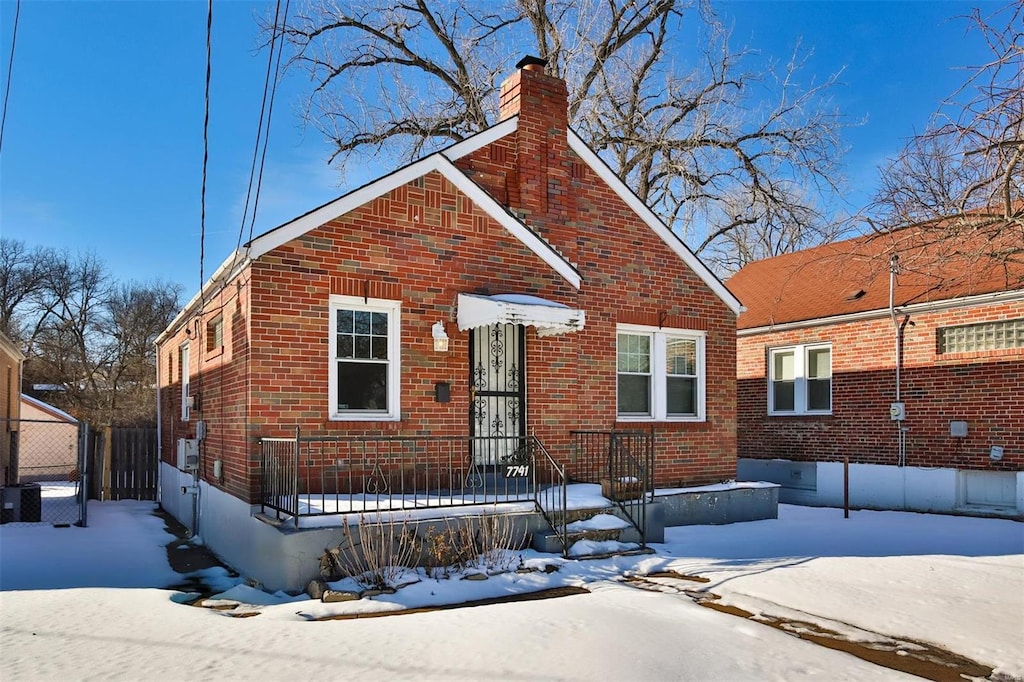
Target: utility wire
(206,151)
(259,127)
(270,114)
(10,68)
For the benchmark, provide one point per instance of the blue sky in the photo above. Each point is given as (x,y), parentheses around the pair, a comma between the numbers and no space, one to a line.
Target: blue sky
(102,148)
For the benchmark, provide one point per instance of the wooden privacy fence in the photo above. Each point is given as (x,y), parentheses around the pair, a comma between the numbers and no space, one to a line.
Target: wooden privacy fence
(125,464)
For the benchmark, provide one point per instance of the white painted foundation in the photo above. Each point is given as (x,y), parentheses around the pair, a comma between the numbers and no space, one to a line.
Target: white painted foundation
(874,486)
(276,558)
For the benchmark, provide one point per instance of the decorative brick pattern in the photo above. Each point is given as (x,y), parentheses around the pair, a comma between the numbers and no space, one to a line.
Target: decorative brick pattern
(426,242)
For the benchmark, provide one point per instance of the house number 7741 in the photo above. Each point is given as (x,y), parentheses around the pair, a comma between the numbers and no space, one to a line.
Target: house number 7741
(517,470)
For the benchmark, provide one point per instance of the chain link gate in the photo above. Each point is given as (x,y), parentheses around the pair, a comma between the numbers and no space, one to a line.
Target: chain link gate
(45,472)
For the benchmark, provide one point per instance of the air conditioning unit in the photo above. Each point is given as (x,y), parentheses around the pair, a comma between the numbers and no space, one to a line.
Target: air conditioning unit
(188,454)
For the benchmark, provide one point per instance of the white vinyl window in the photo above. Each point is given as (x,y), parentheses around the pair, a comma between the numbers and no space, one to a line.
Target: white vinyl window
(184,361)
(800,380)
(660,374)
(364,357)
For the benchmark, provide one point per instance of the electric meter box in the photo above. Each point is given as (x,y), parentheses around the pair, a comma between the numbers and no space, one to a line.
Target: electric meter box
(188,454)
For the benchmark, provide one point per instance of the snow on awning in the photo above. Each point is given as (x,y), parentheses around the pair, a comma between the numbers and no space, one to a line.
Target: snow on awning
(548,317)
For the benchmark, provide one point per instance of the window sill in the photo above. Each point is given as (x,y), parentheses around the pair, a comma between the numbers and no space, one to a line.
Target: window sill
(800,414)
(364,418)
(652,420)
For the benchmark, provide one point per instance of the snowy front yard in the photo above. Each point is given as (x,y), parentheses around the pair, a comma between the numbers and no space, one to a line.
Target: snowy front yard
(84,603)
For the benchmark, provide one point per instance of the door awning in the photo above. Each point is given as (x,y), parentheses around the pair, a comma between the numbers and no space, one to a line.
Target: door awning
(548,317)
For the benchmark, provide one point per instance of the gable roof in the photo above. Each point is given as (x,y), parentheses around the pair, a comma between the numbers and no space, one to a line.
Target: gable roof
(442,162)
(643,211)
(851,277)
(49,409)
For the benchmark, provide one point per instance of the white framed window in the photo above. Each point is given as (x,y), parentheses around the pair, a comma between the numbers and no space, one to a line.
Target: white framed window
(365,359)
(660,374)
(186,408)
(800,379)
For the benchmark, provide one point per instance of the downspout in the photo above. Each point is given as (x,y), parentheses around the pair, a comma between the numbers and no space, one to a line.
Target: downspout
(901,433)
(159,432)
(894,264)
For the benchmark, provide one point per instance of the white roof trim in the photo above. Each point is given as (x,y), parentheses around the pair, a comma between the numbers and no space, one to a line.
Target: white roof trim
(227,270)
(435,162)
(516,227)
(911,309)
(47,407)
(548,317)
(647,215)
(481,139)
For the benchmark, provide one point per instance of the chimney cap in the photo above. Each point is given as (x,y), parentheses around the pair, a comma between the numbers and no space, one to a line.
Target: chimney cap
(530,63)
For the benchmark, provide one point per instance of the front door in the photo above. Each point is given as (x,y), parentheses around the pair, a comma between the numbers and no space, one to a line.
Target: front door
(497,417)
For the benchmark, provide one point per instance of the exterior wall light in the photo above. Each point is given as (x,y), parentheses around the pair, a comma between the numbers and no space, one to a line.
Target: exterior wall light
(440,337)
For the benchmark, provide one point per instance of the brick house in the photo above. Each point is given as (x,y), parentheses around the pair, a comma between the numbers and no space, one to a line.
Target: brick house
(923,392)
(509,285)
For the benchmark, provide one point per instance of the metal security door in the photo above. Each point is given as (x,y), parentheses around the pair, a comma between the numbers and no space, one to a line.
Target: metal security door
(497,419)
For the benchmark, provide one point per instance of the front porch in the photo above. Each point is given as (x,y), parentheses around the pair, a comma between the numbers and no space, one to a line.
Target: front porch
(306,477)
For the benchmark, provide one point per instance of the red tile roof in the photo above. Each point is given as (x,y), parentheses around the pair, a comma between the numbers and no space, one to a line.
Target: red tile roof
(853,276)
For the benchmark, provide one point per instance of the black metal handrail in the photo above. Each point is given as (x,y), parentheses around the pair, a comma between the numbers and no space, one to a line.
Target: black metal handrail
(319,475)
(551,499)
(622,462)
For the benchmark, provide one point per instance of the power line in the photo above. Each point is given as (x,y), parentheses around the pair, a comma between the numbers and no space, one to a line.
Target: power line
(10,68)
(259,127)
(206,151)
(268,105)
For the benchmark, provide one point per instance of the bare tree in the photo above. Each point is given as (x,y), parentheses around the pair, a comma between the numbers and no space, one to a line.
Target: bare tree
(84,333)
(963,178)
(717,148)
(23,273)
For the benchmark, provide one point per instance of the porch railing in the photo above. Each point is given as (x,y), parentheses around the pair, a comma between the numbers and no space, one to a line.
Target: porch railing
(319,475)
(622,462)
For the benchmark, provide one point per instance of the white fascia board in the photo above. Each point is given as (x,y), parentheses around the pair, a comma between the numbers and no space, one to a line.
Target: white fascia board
(356,198)
(481,139)
(517,229)
(647,215)
(435,162)
(269,241)
(912,309)
(228,269)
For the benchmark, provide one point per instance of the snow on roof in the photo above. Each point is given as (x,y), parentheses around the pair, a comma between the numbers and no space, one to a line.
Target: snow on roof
(48,408)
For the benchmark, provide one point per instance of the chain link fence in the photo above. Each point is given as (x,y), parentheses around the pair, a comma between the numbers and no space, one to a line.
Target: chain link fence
(43,472)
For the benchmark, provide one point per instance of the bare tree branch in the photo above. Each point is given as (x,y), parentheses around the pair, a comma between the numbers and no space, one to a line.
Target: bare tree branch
(703,144)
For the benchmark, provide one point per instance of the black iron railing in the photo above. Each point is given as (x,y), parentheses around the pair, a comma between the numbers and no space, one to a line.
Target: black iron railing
(319,475)
(622,462)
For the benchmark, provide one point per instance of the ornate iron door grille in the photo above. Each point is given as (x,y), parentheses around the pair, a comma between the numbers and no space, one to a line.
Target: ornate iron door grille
(498,391)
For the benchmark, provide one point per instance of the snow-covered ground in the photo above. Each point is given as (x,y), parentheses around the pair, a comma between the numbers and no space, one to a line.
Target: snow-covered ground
(81,603)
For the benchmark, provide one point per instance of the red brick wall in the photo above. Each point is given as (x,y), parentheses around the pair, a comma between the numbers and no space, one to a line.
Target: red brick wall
(219,379)
(426,244)
(983,389)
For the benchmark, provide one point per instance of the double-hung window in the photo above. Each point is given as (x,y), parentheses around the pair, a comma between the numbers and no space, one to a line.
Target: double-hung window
(660,374)
(800,380)
(364,357)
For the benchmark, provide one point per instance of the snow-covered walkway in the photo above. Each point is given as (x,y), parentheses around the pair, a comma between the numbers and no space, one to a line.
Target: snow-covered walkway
(84,603)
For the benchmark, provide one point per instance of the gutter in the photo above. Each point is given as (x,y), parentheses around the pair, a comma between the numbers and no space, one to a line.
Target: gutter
(911,309)
(237,261)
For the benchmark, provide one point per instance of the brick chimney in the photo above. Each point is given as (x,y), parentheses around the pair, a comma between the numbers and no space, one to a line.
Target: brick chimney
(542,150)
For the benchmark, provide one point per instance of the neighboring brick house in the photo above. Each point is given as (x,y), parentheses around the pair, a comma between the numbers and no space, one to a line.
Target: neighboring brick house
(11,359)
(818,380)
(519,237)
